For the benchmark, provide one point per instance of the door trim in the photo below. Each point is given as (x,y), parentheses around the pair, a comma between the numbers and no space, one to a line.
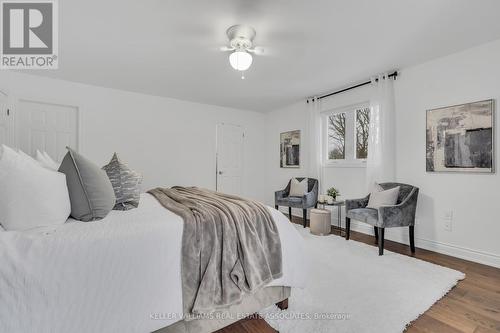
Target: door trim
(10,123)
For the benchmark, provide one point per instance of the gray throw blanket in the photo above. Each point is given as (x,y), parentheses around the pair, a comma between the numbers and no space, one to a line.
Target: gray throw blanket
(230,246)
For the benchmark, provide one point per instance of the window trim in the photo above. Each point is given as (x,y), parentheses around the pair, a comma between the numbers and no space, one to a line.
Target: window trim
(350,161)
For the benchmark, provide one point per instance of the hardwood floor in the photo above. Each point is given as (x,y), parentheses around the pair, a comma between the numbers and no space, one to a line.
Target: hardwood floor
(473,306)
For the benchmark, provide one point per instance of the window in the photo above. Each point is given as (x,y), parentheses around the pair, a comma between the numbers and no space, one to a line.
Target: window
(347,135)
(336,136)
(362,130)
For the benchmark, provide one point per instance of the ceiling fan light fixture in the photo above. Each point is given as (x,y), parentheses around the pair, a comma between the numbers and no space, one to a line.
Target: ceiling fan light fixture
(240,60)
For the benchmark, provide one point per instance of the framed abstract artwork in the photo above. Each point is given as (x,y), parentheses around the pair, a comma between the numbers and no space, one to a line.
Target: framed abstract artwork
(460,138)
(290,149)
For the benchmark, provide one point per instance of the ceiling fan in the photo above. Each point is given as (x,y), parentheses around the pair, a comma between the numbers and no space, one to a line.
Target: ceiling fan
(241,47)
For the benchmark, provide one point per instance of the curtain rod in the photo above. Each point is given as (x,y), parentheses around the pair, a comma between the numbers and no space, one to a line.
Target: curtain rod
(393,75)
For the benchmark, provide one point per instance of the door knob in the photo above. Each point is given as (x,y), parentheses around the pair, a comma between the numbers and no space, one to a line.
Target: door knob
(220,172)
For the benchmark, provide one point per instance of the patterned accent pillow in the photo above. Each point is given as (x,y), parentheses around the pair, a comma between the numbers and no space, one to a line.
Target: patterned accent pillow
(126,184)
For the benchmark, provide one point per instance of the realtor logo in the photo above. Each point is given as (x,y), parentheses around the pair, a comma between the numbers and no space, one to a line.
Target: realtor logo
(29,35)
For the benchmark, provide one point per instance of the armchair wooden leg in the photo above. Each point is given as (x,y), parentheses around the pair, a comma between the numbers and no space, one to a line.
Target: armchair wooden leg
(283,305)
(412,238)
(375,229)
(347,227)
(304,215)
(276,206)
(381,241)
(290,213)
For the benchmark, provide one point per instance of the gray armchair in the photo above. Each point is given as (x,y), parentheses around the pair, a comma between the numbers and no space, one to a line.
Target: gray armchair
(402,214)
(308,200)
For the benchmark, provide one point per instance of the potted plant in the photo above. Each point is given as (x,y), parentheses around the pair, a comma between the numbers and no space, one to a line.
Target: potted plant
(333,192)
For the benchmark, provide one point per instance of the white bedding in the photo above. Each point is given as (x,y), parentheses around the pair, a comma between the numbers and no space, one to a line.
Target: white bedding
(114,275)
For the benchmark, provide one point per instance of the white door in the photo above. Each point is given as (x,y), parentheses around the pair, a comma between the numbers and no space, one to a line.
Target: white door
(5,121)
(229,158)
(47,127)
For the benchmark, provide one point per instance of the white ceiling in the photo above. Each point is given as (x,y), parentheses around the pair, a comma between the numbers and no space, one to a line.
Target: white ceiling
(170,47)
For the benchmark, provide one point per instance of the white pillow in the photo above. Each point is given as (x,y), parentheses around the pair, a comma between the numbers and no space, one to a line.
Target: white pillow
(40,157)
(380,197)
(51,161)
(46,161)
(298,189)
(30,195)
(27,157)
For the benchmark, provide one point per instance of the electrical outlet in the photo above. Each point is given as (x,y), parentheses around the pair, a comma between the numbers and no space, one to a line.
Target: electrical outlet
(447,220)
(447,225)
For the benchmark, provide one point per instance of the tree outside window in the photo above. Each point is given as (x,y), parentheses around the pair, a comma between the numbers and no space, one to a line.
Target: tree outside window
(362,131)
(336,136)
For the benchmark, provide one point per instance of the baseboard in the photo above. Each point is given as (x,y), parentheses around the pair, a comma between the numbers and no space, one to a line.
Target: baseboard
(400,235)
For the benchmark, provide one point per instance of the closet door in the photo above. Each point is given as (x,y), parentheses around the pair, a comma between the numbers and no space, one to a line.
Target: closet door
(47,127)
(5,122)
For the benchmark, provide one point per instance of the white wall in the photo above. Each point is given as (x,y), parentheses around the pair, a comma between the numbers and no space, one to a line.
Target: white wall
(468,76)
(463,77)
(171,142)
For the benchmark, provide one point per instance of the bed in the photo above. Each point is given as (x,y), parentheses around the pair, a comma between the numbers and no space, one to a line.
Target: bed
(121,274)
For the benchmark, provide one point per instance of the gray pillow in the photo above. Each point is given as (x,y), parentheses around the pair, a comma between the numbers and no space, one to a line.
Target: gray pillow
(90,191)
(126,184)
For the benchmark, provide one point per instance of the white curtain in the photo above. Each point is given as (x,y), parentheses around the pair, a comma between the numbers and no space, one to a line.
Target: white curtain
(381,160)
(315,147)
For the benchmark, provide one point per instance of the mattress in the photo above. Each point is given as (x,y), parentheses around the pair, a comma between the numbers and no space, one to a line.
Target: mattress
(120,274)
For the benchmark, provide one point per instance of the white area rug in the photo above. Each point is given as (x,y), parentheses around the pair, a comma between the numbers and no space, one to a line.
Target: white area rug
(359,290)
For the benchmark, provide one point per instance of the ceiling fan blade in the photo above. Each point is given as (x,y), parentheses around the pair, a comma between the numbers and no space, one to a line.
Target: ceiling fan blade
(258,50)
(226,48)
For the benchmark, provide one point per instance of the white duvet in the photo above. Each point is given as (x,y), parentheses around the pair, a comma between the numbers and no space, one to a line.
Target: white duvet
(120,274)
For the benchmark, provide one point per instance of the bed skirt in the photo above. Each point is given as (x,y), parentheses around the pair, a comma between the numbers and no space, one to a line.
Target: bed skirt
(250,304)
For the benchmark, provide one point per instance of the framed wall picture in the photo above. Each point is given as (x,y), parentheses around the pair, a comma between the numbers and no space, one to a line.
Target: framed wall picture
(460,138)
(290,149)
